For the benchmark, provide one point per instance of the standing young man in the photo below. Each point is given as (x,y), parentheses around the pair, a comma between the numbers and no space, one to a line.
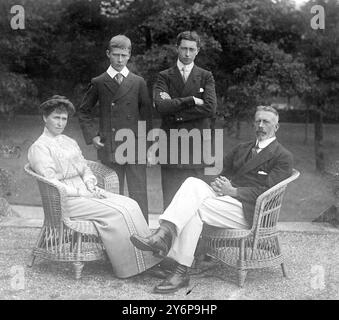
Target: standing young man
(123,102)
(185,97)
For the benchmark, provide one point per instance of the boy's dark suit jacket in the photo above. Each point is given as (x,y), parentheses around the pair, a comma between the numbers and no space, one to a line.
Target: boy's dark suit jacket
(180,112)
(119,107)
(247,173)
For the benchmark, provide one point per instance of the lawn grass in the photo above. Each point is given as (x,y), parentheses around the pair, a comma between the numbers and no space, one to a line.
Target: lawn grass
(305,199)
(306,257)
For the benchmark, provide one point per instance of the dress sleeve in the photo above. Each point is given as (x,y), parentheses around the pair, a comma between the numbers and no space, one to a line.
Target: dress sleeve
(42,163)
(85,171)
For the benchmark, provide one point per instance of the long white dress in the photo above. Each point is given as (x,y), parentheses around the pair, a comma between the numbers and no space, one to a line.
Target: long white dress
(115,217)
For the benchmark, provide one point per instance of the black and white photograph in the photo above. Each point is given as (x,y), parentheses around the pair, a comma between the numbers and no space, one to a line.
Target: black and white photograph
(170,155)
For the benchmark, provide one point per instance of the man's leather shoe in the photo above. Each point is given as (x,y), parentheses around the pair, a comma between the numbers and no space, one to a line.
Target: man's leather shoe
(173,283)
(158,272)
(159,242)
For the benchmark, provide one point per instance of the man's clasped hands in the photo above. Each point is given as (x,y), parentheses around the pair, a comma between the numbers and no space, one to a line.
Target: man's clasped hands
(223,187)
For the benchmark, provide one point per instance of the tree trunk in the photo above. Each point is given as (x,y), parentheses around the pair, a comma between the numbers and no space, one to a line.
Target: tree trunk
(318,141)
(307,120)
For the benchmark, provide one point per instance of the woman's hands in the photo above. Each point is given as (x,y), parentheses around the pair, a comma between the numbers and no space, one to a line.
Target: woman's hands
(90,185)
(93,191)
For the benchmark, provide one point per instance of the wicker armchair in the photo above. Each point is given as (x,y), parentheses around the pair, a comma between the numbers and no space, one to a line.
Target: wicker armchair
(254,248)
(63,239)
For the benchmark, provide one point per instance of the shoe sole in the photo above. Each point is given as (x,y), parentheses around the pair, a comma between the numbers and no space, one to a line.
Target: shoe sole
(184,284)
(145,247)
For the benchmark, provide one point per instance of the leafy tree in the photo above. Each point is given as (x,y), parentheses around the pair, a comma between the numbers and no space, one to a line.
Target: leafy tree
(320,48)
(17,93)
(256,49)
(249,46)
(24,55)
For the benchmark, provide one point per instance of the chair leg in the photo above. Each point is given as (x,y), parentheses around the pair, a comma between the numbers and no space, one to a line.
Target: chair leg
(31,260)
(241,277)
(78,266)
(241,272)
(39,244)
(283,268)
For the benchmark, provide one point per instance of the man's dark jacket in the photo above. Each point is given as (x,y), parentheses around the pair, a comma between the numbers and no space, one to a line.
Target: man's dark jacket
(254,175)
(180,112)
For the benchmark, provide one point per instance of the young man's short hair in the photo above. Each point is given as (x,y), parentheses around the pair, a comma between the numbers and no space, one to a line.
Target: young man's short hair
(120,41)
(188,35)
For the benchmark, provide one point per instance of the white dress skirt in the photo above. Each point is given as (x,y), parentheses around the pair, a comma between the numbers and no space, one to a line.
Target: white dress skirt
(116,217)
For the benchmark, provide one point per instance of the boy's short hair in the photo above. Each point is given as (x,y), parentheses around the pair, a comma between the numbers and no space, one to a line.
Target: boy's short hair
(269,109)
(188,35)
(120,41)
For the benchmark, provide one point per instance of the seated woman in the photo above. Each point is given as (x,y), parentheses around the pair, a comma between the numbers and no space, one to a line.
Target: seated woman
(59,158)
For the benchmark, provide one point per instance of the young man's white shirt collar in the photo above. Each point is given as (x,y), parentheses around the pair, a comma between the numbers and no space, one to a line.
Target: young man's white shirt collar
(188,67)
(112,72)
(264,143)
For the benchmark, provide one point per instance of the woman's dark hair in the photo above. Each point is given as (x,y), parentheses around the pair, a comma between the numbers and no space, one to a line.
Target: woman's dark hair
(59,103)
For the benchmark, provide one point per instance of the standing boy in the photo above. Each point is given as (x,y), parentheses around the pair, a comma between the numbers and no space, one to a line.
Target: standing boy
(123,102)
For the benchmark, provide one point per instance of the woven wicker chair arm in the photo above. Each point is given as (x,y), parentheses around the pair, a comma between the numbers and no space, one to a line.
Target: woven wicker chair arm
(295,175)
(60,190)
(59,194)
(215,233)
(268,194)
(107,177)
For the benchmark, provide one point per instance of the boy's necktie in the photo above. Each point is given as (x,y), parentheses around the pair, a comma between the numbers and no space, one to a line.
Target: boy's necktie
(118,78)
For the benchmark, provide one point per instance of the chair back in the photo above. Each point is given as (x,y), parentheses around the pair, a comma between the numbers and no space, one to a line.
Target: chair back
(51,197)
(268,205)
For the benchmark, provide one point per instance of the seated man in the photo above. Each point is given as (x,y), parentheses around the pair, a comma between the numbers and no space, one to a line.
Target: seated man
(249,169)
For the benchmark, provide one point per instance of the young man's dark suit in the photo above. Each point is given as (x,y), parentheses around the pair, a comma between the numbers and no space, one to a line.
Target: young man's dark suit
(181,112)
(253,175)
(120,107)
